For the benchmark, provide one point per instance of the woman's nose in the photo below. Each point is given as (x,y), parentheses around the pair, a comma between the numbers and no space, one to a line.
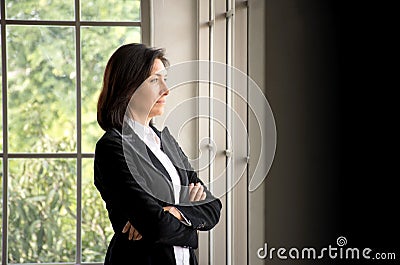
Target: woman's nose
(165,89)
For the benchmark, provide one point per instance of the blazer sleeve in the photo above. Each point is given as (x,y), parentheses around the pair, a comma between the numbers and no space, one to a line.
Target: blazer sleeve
(203,215)
(118,187)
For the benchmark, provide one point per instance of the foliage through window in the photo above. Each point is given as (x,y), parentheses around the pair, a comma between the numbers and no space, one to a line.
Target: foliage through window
(53,60)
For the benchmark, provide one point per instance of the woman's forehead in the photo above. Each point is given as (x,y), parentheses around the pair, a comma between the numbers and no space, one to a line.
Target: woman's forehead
(158,67)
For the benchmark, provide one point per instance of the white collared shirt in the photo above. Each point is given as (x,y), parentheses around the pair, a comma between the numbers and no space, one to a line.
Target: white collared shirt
(151,139)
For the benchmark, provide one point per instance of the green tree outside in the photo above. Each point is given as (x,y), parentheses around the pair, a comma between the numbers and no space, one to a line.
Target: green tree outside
(42,109)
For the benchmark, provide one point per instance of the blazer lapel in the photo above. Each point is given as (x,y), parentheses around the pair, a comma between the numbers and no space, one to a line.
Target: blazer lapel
(131,138)
(132,141)
(169,148)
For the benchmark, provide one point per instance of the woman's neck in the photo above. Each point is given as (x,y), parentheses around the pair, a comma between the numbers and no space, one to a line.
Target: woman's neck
(145,121)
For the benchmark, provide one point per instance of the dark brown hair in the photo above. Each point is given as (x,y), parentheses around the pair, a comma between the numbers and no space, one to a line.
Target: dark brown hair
(126,70)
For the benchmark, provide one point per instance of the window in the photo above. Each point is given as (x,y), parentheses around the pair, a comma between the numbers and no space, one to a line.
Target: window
(53,57)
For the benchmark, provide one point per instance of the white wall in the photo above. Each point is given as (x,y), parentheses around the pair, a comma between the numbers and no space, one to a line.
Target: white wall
(257,71)
(175,29)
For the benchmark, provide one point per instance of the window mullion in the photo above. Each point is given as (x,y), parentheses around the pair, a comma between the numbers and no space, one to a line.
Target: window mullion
(5,136)
(78,258)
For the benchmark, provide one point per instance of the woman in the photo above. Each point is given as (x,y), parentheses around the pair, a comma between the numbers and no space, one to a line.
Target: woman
(155,201)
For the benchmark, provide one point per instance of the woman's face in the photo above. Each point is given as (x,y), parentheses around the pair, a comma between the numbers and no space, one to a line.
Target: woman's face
(158,77)
(148,100)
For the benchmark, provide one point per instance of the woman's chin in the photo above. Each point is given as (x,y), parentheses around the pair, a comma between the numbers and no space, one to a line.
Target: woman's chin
(156,112)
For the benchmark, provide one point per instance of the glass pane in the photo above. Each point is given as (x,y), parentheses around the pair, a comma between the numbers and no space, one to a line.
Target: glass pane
(42,210)
(40,10)
(110,10)
(94,60)
(1,109)
(96,227)
(41,89)
(1,208)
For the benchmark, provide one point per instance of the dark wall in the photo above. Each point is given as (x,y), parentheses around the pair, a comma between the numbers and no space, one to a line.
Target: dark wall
(331,82)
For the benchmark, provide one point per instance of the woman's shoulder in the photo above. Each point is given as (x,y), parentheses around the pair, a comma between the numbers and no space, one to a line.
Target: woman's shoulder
(111,137)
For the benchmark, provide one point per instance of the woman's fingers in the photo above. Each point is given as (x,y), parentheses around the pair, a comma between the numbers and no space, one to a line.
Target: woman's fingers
(196,192)
(176,213)
(133,233)
(191,195)
(199,193)
(167,208)
(193,191)
(126,227)
(203,197)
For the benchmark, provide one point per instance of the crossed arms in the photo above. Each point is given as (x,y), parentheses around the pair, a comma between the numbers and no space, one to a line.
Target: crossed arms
(148,218)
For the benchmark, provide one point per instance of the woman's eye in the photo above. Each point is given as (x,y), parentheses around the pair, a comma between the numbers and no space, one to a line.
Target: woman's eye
(154,80)
(165,79)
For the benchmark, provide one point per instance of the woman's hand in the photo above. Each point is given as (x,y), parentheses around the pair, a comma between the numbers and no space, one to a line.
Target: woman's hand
(133,233)
(196,192)
(172,210)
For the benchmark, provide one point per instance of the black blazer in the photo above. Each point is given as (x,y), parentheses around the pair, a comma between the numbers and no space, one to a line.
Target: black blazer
(136,186)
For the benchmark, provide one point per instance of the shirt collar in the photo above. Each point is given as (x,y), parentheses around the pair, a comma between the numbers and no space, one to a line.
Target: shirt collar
(142,130)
